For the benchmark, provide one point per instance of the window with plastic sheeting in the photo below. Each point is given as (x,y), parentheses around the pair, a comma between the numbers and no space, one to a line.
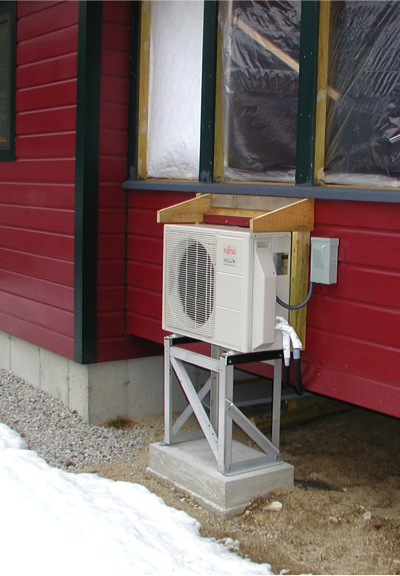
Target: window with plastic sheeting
(174,96)
(280,92)
(255,99)
(362,144)
(169,90)
(260,78)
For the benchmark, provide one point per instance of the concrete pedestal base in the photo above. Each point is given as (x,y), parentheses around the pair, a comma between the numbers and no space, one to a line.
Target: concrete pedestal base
(191,467)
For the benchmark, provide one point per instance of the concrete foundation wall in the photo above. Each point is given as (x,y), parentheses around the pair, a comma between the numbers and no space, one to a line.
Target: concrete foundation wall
(96,391)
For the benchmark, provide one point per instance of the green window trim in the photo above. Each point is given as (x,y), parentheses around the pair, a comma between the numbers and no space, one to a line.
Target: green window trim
(208,85)
(306,113)
(7,80)
(133,120)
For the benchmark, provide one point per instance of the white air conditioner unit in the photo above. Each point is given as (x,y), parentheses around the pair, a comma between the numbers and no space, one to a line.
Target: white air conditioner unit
(220,284)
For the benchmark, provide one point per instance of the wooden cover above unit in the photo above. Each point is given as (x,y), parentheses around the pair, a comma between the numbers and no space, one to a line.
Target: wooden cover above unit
(263,213)
(259,214)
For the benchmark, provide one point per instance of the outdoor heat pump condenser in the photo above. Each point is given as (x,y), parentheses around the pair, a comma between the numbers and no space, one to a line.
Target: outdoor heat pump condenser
(220,284)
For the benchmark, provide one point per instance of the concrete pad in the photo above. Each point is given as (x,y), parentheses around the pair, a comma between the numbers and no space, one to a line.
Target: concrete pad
(192,467)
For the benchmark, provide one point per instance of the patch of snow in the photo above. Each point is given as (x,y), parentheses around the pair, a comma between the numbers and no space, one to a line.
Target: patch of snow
(56,522)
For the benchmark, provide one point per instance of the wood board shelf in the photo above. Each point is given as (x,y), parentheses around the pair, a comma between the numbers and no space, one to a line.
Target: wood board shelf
(259,214)
(264,213)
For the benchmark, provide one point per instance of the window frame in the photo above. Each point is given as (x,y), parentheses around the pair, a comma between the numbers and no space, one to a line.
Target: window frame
(8,14)
(310,120)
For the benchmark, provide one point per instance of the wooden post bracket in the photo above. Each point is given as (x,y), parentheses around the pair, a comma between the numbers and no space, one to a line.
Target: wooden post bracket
(259,214)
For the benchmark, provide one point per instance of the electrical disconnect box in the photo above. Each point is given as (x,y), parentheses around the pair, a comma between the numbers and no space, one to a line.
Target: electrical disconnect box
(324,260)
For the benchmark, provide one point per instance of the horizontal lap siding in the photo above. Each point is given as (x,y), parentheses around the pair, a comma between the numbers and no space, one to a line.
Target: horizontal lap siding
(353,327)
(144,274)
(114,341)
(37,190)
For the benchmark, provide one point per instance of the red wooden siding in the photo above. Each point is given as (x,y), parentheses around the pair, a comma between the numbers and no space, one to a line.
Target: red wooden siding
(50,45)
(60,119)
(144,272)
(43,18)
(37,190)
(353,333)
(56,69)
(353,327)
(114,342)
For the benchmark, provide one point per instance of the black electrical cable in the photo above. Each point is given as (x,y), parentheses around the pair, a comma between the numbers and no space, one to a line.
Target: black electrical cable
(296,306)
(286,376)
(297,373)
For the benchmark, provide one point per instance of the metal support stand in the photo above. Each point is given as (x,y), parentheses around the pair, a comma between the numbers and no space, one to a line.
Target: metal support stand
(217,428)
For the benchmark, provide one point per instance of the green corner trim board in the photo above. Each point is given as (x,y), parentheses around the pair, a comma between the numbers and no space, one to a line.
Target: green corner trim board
(87,181)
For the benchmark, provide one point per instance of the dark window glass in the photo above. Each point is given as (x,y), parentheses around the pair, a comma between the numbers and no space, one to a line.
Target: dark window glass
(363,122)
(260,58)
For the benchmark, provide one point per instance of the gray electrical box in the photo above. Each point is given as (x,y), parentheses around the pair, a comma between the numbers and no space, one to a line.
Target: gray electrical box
(324,260)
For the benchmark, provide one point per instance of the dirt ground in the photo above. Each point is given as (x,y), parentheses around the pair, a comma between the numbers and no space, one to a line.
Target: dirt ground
(342,516)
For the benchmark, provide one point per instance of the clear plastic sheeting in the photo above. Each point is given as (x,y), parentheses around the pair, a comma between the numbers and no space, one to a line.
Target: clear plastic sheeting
(176,46)
(363,124)
(260,62)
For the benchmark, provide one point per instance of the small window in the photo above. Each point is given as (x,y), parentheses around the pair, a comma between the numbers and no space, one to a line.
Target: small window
(7,80)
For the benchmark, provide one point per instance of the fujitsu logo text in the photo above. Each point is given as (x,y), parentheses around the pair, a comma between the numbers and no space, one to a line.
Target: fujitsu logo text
(228,250)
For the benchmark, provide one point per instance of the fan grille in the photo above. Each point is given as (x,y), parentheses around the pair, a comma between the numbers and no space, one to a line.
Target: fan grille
(190,283)
(196,283)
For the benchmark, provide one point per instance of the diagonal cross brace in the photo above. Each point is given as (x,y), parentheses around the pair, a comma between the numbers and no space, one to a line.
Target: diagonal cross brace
(251,430)
(196,405)
(189,410)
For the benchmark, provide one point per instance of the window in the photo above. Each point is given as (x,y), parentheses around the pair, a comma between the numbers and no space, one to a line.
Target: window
(7,80)
(253,91)
(289,92)
(260,80)
(363,121)
(174,93)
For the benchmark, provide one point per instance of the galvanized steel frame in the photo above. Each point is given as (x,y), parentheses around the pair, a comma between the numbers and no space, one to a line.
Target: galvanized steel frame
(217,428)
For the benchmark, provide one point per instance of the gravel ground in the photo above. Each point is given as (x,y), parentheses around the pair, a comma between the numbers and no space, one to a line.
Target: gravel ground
(60,436)
(341,517)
